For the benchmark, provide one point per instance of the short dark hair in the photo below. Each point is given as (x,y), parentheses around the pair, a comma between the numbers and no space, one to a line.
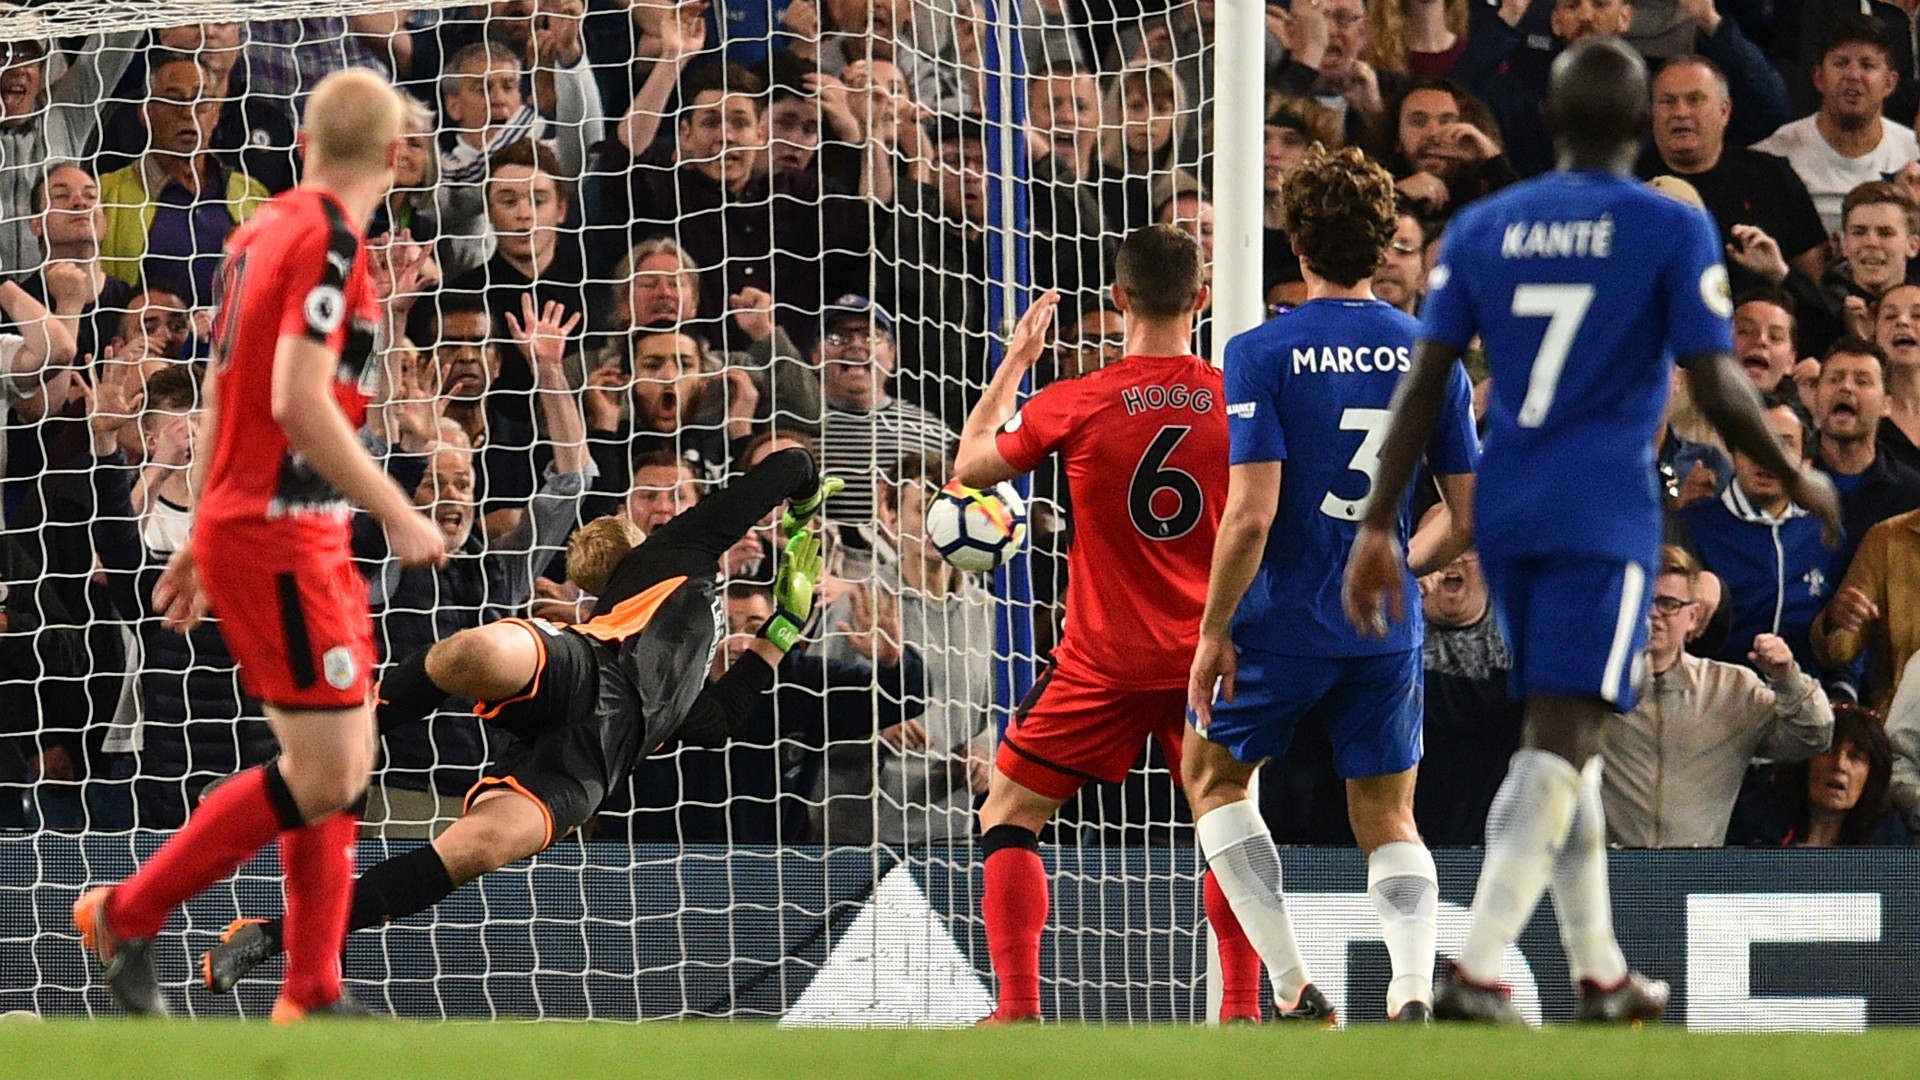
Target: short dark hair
(723,79)
(948,127)
(1853,28)
(741,589)
(1800,413)
(532,155)
(1160,269)
(786,76)
(451,302)
(1340,211)
(1778,297)
(159,58)
(1854,345)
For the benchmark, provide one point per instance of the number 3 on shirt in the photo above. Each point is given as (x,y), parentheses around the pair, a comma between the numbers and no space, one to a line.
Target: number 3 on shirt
(1564,307)
(1366,460)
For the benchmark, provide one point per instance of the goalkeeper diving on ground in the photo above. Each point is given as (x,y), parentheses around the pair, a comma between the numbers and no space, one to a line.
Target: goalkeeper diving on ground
(585,702)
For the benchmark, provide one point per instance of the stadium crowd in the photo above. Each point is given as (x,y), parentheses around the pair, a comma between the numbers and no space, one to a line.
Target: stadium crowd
(628,255)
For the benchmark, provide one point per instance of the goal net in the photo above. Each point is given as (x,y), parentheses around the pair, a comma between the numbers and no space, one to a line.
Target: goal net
(786,218)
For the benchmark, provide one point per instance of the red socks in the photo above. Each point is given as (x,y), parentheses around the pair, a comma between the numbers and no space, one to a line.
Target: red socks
(230,825)
(1239,963)
(1014,906)
(238,819)
(318,861)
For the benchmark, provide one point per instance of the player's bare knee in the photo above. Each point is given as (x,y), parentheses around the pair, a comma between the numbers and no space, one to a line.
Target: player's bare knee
(487,662)
(502,827)
(1010,803)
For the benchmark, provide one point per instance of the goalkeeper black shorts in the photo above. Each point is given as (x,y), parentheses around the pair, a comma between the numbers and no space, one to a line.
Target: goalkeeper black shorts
(578,729)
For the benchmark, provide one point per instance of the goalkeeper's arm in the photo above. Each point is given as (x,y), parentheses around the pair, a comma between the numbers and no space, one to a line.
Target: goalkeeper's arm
(729,702)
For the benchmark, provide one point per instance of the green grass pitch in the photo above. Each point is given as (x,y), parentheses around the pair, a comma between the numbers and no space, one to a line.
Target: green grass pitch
(385,1050)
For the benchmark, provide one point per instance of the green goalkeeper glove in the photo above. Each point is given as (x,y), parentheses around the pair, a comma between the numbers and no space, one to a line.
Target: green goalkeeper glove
(800,567)
(801,511)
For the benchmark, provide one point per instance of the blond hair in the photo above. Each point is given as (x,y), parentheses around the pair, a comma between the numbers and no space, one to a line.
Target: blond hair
(352,119)
(596,548)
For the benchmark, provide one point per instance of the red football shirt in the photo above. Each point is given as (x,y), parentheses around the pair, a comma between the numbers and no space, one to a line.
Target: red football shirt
(1144,442)
(297,267)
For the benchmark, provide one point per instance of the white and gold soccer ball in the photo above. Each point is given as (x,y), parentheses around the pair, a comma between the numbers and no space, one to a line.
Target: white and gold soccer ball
(977,530)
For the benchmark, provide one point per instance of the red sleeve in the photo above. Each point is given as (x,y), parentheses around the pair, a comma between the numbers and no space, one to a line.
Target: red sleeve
(312,279)
(1038,428)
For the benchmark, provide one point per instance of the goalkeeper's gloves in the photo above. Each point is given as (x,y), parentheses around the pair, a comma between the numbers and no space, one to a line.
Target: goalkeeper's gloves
(793,586)
(801,511)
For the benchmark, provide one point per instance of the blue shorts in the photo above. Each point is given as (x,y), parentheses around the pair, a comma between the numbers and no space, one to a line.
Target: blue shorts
(1575,624)
(1372,706)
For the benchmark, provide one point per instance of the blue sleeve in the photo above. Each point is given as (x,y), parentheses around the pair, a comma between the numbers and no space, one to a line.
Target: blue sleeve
(1446,316)
(1699,299)
(1254,431)
(1455,448)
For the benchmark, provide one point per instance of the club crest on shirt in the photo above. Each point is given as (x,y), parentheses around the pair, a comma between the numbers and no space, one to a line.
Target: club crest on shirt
(337,665)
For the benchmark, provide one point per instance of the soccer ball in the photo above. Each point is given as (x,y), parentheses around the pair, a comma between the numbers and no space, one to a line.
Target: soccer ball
(977,530)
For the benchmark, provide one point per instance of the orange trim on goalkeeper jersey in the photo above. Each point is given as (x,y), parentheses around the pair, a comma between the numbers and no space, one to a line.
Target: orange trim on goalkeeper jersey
(630,616)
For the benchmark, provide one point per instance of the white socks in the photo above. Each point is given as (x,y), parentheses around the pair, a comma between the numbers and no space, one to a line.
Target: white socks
(1240,851)
(1401,882)
(1525,829)
(1580,889)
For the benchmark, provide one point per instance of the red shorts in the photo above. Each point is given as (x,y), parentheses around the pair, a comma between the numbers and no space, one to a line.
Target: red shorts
(302,633)
(1069,731)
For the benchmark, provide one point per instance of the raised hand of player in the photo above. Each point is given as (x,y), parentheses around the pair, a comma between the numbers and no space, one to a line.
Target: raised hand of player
(1029,338)
(800,567)
(1373,593)
(1214,664)
(543,339)
(1811,489)
(416,541)
(794,522)
(177,596)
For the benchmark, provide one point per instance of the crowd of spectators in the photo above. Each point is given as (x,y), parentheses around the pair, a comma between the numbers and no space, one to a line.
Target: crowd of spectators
(635,244)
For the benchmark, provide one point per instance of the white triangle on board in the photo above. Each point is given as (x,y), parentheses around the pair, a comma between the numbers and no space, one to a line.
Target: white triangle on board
(894,966)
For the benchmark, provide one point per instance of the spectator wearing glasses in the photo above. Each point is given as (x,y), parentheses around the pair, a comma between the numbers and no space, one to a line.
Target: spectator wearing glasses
(169,213)
(1401,280)
(42,121)
(1674,764)
(865,428)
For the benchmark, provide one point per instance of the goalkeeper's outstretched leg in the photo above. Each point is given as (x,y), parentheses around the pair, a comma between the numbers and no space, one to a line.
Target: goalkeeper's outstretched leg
(584,702)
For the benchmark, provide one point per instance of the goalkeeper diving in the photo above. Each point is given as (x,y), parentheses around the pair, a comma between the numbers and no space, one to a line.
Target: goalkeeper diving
(585,702)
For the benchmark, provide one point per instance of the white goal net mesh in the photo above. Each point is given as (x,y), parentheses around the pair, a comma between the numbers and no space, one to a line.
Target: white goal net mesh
(799,219)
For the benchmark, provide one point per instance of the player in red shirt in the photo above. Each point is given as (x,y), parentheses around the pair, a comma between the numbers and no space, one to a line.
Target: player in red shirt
(1145,447)
(296,323)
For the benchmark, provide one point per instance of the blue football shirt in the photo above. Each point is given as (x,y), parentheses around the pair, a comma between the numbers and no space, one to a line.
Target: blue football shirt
(1312,389)
(1582,288)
